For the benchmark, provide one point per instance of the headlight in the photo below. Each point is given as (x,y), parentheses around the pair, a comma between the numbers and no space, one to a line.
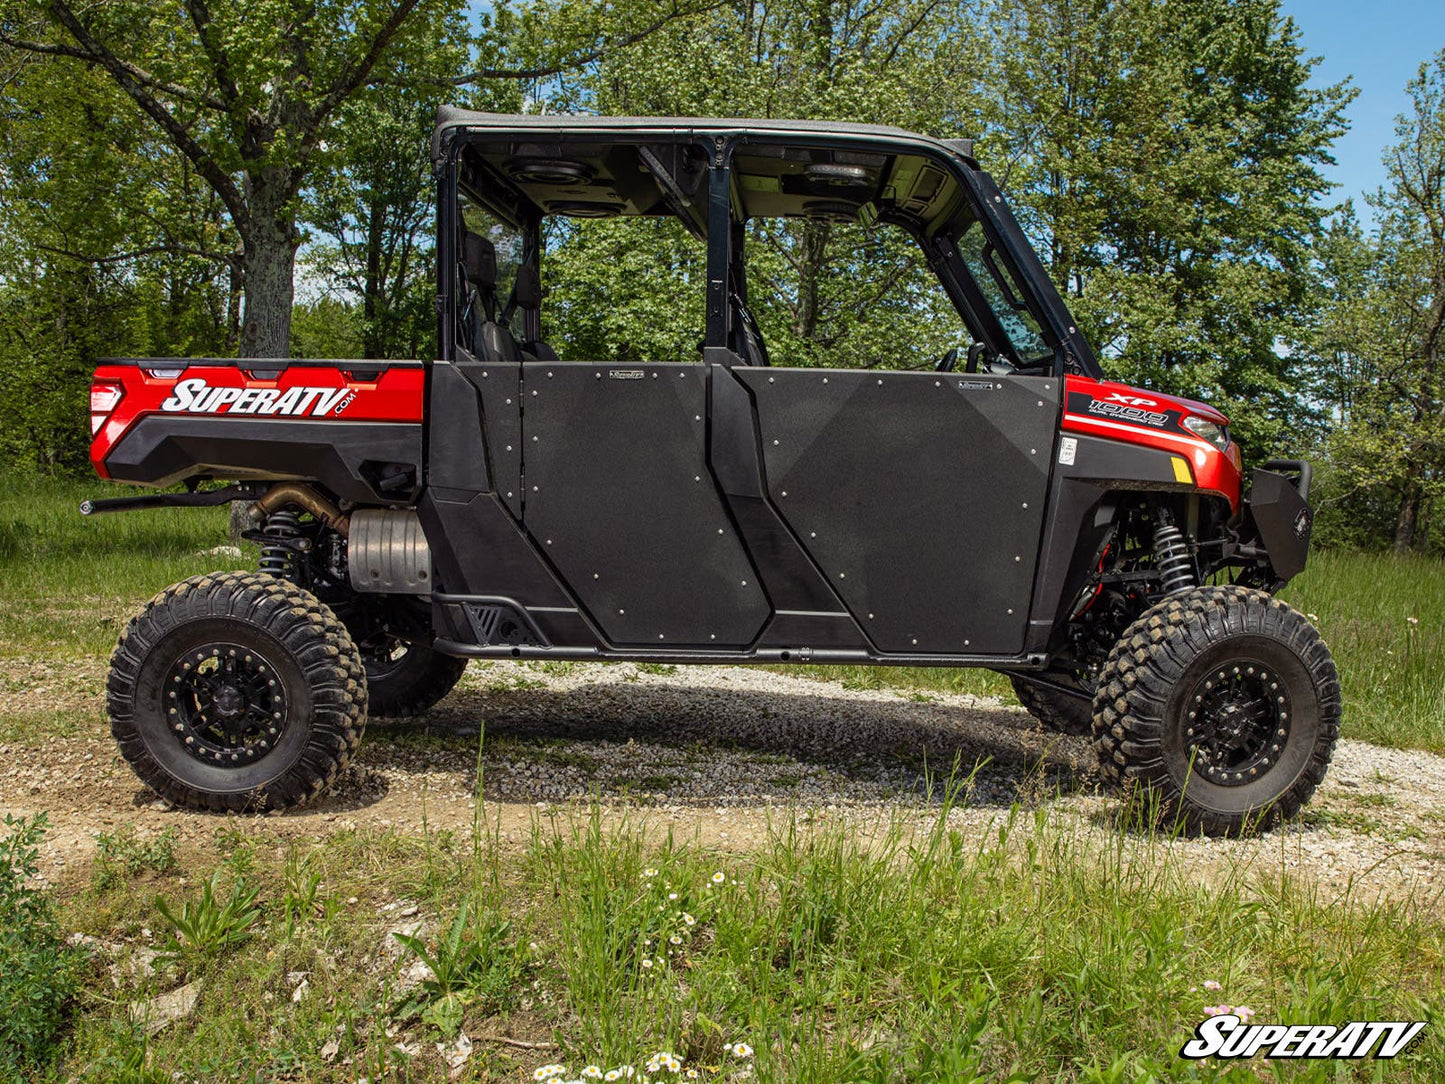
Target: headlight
(1200,427)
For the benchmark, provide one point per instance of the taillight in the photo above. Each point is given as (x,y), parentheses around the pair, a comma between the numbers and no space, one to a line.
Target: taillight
(104,398)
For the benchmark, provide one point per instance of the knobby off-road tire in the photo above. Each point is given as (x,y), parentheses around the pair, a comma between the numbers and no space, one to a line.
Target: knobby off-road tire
(1065,714)
(1220,708)
(411,682)
(234,691)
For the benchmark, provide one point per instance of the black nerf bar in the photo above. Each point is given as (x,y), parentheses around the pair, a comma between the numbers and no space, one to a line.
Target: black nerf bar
(196,499)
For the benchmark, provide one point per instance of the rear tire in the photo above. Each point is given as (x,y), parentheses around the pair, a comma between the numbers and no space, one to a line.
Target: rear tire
(1055,710)
(236,691)
(409,682)
(1221,708)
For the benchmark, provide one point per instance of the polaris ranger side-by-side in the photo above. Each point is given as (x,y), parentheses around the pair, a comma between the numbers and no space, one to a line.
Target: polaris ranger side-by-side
(1010,508)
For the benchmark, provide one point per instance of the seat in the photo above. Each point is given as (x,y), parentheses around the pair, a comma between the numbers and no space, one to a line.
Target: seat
(527,296)
(487,339)
(747,341)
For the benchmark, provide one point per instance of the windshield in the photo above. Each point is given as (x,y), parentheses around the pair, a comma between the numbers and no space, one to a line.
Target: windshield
(1001,291)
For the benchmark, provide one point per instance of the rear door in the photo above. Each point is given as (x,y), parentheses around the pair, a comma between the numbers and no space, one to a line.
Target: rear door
(619,497)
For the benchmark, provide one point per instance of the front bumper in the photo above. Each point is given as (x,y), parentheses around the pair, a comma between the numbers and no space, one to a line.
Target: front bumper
(1278,517)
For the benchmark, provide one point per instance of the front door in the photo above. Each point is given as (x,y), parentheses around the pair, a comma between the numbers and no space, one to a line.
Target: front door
(919,495)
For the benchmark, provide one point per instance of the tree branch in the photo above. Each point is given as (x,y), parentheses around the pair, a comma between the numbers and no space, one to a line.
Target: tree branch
(561,67)
(206,165)
(356,75)
(141,76)
(149,250)
(220,65)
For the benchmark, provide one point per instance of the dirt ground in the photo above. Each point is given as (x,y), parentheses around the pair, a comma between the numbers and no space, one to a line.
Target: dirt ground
(718,754)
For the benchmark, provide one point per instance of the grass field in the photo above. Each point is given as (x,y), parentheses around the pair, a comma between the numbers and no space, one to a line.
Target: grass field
(837,959)
(69,583)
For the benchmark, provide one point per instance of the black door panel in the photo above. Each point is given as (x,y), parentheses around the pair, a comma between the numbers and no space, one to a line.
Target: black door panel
(618,496)
(920,495)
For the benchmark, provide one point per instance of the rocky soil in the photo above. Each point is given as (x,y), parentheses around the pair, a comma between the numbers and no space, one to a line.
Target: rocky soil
(719,752)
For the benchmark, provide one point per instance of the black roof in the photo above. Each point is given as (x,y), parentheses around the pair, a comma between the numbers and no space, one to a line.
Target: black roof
(452,121)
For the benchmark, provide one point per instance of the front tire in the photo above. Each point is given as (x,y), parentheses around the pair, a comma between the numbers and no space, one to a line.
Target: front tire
(1221,708)
(236,691)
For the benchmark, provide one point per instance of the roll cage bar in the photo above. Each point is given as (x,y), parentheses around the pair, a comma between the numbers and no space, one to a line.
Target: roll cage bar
(714,215)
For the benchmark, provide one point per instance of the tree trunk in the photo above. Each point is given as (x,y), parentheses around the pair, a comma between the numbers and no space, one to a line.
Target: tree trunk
(372,336)
(1407,521)
(268,266)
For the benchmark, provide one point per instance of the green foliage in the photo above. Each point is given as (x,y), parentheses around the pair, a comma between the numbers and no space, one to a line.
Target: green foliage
(40,972)
(1380,344)
(209,927)
(123,854)
(473,965)
(1166,157)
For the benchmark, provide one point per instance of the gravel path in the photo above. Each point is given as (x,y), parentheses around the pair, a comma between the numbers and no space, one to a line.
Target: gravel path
(722,752)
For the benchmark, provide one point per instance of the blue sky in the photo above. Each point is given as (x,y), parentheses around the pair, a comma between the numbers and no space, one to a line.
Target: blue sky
(1381,45)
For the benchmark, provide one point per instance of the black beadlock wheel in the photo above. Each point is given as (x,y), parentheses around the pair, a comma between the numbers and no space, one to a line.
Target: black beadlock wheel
(1055,710)
(1221,705)
(407,677)
(236,690)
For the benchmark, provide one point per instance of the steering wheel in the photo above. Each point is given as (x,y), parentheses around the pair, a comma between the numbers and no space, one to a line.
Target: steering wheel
(946,363)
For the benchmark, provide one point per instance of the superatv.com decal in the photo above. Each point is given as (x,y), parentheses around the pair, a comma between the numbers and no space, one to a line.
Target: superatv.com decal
(1228,1036)
(197,397)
